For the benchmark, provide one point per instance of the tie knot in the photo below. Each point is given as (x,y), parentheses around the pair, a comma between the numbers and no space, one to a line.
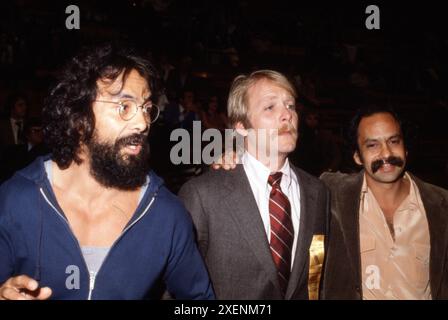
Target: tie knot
(274,179)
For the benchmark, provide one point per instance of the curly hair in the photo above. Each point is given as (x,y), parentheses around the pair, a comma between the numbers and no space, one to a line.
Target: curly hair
(68,118)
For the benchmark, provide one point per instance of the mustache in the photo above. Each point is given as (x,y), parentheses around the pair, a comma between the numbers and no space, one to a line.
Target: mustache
(135,139)
(287,129)
(392,160)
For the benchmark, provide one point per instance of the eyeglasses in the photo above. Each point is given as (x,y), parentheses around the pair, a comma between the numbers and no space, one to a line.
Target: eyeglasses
(127,109)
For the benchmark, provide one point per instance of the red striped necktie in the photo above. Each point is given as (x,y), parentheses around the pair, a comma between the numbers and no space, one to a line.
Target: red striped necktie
(282,231)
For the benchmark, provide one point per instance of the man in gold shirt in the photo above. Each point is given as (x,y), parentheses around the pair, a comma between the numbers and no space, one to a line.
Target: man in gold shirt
(388,235)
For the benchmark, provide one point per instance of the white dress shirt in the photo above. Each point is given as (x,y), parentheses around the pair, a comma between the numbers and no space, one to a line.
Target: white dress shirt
(258,175)
(15,129)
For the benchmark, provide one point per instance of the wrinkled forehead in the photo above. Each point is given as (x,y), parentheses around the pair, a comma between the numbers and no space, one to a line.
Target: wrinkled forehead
(131,83)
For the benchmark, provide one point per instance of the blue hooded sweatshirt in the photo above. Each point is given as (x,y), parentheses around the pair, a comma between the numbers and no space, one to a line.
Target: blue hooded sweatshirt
(156,248)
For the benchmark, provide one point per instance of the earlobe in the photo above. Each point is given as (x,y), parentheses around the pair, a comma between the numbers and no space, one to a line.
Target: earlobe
(357,158)
(240,129)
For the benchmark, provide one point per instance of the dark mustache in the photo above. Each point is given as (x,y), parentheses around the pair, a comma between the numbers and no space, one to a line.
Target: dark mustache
(137,138)
(395,161)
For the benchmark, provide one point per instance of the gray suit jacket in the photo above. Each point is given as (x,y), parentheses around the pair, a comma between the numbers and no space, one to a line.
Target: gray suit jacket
(232,238)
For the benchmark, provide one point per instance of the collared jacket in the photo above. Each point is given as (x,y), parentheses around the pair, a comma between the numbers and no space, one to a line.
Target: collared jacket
(342,275)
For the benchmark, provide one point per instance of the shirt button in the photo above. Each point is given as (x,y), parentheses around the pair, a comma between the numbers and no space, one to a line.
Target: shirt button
(392,253)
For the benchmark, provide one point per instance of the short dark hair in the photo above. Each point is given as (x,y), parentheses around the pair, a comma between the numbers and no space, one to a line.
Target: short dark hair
(68,119)
(11,101)
(367,111)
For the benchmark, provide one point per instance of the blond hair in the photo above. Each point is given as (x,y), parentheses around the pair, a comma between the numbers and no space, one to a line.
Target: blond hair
(237,103)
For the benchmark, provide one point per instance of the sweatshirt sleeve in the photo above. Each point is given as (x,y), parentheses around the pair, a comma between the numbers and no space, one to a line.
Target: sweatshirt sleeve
(186,276)
(6,247)
(6,253)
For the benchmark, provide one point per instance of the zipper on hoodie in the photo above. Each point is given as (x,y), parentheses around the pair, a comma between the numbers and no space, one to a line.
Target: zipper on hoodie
(92,275)
(92,280)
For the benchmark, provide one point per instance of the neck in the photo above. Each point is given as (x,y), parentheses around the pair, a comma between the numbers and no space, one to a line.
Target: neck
(78,182)
(274,163)
(386,193)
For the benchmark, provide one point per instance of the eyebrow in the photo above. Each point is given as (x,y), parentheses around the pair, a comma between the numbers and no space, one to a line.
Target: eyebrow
(389,138)
(369,140)
(128,96)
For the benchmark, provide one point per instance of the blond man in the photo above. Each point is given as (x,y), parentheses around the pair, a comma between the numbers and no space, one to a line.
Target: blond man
(256,225)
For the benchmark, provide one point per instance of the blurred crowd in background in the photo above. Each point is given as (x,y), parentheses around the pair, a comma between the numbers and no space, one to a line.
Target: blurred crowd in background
(198,47)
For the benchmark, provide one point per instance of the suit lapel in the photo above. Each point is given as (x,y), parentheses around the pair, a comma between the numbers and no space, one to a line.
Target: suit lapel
(347,202)
(244,211)
(306,230)
(435,208)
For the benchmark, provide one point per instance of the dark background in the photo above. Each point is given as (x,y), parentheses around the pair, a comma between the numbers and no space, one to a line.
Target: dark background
(402,65)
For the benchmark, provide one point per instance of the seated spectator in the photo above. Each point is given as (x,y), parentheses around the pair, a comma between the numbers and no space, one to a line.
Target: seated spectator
(180,78)
(35,146)
(11,128)
(11,133)
(18,156)
(318,150)
(212,116)
(182,114)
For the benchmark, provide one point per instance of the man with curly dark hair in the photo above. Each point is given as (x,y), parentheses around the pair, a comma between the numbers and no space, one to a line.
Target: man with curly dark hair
(91,221)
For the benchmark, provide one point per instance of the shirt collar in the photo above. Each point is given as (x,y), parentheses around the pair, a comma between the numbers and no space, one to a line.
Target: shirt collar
(261,173)
(412,200)
(414,195)
(364,188)
(287,176)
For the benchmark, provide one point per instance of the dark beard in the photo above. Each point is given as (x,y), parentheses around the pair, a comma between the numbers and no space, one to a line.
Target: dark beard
(112,170)
(395,161)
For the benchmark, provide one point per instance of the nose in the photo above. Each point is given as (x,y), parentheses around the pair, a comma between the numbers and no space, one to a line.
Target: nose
(385,151)
(286,114)
(139,122)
